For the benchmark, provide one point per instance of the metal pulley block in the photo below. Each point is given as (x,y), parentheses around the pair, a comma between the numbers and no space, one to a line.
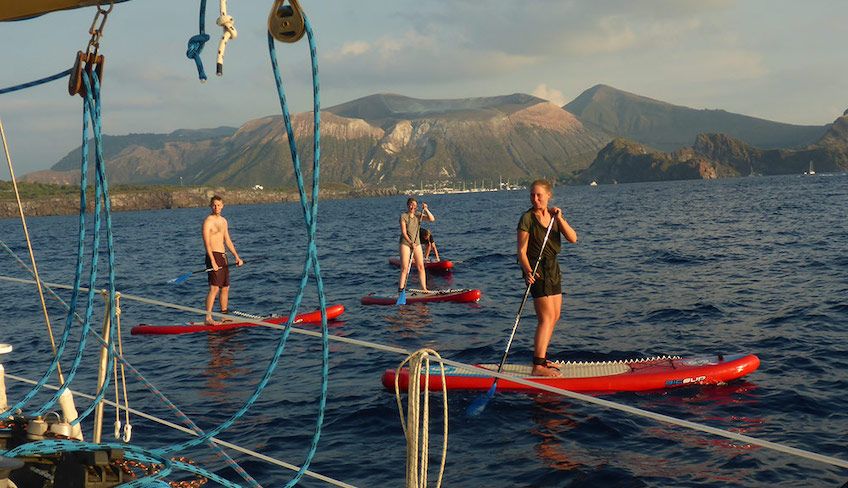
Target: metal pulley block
(286,22)
(88,62)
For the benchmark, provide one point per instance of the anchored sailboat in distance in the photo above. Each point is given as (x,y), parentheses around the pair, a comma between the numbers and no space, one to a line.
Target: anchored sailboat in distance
(811,171)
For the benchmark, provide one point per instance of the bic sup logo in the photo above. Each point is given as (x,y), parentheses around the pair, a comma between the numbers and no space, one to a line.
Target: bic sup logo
(686,381)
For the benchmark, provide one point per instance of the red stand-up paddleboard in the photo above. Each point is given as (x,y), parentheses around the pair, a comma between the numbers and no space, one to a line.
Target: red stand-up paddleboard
(418,296)
(599,377)
(333,311)
(440,266)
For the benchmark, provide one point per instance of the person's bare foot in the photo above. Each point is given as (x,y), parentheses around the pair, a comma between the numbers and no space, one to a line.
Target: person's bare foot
(209,321)
(543,367)
(544,370)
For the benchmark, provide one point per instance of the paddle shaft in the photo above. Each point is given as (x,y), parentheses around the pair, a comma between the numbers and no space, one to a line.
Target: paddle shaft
(226,265)
(524,300)
(182,278)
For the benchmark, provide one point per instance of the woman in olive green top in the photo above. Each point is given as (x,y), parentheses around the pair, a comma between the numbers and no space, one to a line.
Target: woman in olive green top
(410,245)
(546,285)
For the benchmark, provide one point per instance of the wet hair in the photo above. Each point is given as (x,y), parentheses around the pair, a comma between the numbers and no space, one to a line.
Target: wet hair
(410,200)
(215,197)
(425,235)
(544,184)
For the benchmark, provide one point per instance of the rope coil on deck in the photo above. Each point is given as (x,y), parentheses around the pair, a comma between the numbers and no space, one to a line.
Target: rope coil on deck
(416,427)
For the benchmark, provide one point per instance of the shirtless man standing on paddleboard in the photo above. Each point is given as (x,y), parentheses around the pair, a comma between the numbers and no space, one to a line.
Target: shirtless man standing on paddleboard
(216,235)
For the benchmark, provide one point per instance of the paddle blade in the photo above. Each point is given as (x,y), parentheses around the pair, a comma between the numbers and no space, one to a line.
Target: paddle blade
(401,297)
(180,279)
(479,403)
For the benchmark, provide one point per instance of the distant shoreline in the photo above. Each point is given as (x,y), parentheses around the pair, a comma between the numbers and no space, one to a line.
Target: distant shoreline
(159,198)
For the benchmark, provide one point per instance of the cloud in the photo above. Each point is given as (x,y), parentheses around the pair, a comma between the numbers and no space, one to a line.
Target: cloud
(457,42)
(557,27)
(554,96)
(349,49)
(717,65)
(355,48)
(413,57)
(609,35)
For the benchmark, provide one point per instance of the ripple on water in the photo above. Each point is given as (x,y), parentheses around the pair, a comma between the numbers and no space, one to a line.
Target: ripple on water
(692,267)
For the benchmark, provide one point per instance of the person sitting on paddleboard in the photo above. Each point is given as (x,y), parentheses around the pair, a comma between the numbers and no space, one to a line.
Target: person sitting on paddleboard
(216,235)
(546,285)
(410,244)
(427,240)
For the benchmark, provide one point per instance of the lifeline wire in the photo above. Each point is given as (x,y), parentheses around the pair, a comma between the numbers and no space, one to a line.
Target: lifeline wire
(833,461)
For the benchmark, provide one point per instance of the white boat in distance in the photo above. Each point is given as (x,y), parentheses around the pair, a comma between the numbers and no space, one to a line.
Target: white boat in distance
(811,171)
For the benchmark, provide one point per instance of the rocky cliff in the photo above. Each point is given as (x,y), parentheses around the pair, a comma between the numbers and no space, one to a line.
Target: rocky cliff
(623,161)
(716,156)
(163,198)
(387,139)
(382,139)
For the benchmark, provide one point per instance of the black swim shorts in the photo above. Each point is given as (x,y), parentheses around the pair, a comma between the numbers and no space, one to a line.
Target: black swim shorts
(220,278)
(549,279)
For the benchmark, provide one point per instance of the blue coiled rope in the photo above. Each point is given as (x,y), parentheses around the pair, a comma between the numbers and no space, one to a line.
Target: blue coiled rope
(196,43)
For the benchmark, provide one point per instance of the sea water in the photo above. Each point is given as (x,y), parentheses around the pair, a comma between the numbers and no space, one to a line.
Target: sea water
(752,265)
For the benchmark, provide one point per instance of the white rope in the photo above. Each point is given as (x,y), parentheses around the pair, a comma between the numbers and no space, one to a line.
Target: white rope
(227,24)
(127,432)
(517,379)
(416,428)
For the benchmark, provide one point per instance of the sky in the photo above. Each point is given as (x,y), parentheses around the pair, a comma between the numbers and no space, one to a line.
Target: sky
(780,60)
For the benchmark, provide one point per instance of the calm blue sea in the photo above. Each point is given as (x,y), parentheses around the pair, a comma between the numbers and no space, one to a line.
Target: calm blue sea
(755,265)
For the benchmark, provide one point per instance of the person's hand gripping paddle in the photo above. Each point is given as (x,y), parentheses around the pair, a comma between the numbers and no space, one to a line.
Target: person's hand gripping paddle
(402,294)
(479,404)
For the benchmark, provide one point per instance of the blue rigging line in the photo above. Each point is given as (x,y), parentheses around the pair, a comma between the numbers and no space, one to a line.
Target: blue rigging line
(311,262)
(41,81)
(92,110)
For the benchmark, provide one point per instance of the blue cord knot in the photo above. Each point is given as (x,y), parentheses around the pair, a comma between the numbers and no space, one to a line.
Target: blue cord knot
(195,46)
